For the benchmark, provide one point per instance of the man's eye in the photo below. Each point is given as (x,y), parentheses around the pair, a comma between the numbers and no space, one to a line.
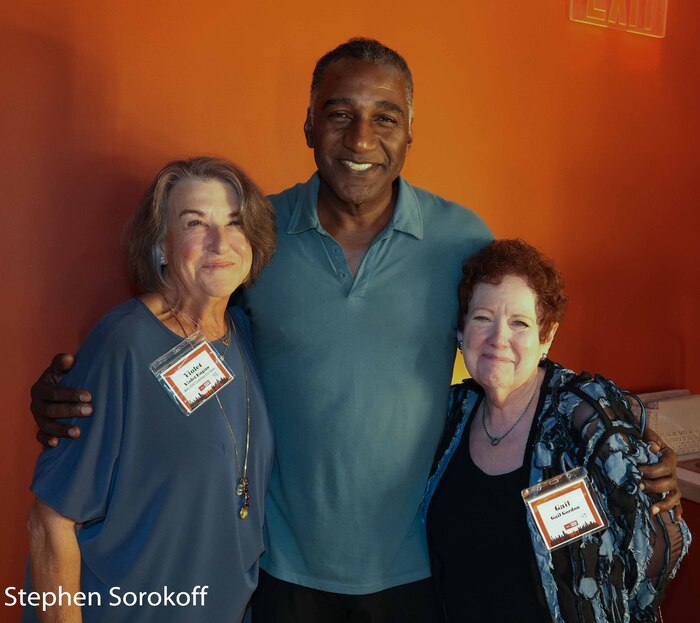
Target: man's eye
(386,120)
(339,115)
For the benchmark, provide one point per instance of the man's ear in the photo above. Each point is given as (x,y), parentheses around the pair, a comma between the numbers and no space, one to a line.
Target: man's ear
(410,136)
(308,126)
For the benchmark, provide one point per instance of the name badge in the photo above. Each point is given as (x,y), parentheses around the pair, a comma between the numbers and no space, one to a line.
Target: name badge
(192,372)
(565,508)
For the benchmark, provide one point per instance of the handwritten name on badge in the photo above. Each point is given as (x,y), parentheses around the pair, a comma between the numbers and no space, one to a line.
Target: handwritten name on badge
(196,377)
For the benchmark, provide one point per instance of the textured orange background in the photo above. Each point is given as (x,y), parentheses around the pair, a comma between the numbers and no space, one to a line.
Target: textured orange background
(579,139)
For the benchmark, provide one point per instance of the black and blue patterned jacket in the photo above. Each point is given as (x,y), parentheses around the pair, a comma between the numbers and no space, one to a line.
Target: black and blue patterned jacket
(615,575)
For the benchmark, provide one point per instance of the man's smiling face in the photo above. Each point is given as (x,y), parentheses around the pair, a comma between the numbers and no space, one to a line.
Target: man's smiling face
(359,127)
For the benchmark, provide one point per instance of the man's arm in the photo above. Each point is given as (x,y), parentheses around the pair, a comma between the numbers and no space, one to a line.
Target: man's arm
(51,402)
(662,477)
(55,561)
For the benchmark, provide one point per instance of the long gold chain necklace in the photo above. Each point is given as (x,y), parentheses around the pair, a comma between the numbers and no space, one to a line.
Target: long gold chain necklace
(242,485)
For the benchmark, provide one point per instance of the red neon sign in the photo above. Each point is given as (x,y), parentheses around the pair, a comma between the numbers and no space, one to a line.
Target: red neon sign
(644,17)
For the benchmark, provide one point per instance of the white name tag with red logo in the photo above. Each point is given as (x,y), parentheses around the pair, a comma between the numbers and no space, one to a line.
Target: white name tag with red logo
(565,508)
(192,372)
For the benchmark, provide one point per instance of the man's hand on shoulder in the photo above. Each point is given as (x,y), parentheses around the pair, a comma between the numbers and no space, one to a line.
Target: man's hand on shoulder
(51,402)
(662,478)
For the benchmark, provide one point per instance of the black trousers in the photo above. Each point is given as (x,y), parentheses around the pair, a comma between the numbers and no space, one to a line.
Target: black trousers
(276,601)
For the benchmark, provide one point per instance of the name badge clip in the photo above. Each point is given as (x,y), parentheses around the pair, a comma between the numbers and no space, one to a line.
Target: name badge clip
(192,372)
(565,508)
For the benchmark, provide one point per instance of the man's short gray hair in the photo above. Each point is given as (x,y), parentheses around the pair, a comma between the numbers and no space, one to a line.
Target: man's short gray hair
(363,49)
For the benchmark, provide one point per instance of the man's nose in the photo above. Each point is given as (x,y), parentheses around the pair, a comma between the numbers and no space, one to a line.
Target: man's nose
(360,136)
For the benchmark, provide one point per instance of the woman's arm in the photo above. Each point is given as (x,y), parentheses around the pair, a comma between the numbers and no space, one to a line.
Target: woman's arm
(652,544)
(55,560)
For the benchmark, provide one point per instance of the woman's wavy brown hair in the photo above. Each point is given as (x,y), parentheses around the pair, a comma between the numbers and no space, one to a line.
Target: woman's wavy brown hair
(147,228)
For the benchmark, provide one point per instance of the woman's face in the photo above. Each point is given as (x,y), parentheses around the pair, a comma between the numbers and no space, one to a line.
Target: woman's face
(208,254)
(501,345)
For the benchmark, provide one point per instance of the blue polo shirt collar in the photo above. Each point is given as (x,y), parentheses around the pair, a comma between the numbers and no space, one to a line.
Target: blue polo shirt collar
(407,216)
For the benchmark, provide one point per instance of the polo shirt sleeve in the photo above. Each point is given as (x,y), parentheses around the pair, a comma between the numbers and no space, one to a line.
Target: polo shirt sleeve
(75,478)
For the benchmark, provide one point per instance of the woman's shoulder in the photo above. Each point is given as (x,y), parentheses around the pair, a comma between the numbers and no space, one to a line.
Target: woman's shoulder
(591,383)
(460,394)
(122,320)
(591,387)
(586,398)
(110,342)
(120,328)
(467,385)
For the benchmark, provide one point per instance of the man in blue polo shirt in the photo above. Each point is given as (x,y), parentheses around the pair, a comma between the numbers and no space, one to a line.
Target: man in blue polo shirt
(354,325)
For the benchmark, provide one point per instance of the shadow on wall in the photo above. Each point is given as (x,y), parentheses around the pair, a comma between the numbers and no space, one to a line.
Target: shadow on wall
(63,214)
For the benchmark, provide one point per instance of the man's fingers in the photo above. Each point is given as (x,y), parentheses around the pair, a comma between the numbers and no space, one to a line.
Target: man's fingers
(51,402)
(655,447)
(661,478)
(53,375)
(50,428)
(61,363)
(56,393)
(657,470)
(65,410)
(666,465)
(651,436)
(47,440)
(59,410)
(55,402)
(671,501)
(660,485)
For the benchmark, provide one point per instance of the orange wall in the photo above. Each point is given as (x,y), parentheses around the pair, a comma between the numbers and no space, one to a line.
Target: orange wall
(579,139)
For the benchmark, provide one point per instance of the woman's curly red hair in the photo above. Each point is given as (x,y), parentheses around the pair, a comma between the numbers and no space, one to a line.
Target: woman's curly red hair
(501,258)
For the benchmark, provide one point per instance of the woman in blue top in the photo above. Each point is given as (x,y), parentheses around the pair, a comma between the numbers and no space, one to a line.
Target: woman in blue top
(519,421)
(153,515)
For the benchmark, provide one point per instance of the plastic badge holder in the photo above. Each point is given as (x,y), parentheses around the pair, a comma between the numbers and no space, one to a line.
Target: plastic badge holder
(192,372)
(565,508)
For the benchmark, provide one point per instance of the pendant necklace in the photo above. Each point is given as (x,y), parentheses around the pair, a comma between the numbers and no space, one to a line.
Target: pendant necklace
(242,485)
(496,440)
